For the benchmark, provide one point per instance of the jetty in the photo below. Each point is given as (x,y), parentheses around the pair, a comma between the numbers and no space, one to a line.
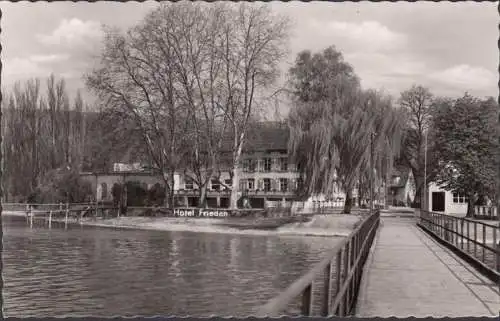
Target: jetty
(49,213)
(402,264)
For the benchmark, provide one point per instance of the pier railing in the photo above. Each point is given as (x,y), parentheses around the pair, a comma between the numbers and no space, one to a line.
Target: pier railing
(486,212)
(478,240)
(331,287)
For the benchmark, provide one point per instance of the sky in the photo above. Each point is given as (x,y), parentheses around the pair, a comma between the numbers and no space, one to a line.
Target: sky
(451,48)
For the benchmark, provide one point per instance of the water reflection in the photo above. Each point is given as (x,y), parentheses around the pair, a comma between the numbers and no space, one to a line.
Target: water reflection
(106,272)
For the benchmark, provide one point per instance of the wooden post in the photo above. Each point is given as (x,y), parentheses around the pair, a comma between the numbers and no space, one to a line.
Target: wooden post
(468,236)
(66,216)
(50,219)
(307,301)
(498,256)
(31,218)
(497,248)
(484,240)
(338,275)
(27,213)
(371,173)
(346,272)
(475,238)
(462,233)
(328,291)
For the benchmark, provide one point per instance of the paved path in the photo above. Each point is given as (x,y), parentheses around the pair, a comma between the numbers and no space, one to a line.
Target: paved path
(410,274)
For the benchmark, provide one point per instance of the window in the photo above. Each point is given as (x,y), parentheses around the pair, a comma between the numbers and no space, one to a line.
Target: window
(228,182)
(252,165)
(267,164)
(245,165)
(104,190)
(284,164)
(267,184)
(215,185)
(459,198)
(283,184)
(396,180)
(243,184)
(251,184)
(300,181)
(188,183)
(249,165)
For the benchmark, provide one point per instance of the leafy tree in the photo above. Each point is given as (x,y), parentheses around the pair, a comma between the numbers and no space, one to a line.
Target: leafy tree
(417,104)
(156,195)
(466,131)
(136,194)
(62,185)
(334,124)
(116,193)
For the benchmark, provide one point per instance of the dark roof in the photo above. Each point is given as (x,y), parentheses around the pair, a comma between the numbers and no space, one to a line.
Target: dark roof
(401,171)
(264,136)
(267,136)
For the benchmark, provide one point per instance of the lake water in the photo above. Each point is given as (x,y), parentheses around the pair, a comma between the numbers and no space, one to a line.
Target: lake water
(89,271)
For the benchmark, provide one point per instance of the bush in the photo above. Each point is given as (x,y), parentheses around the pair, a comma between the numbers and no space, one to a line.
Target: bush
(156,195)
(61,186)
(116,193)
(136,194)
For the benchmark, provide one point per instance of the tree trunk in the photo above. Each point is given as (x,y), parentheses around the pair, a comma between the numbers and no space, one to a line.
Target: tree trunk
(172,188)
(361,192)
(203,196)
(166,201)
(470,205)
(236,184)
(124,201)
(348,201)
(235,189)
(379,193)
(470,208)
(387,191)
(172,198)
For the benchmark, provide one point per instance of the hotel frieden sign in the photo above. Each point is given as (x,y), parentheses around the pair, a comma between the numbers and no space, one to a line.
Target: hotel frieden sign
(200,212)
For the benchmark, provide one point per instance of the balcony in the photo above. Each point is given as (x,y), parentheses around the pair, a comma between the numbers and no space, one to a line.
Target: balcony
(196,192)
(262,192)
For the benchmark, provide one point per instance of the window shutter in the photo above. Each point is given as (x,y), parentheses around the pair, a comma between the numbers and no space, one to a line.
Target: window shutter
(273,184)
(242,184)
(260,184)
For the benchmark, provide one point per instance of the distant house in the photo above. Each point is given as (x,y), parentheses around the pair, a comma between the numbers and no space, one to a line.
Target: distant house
(102,182)
(266,176)
(442,201)
(401,187)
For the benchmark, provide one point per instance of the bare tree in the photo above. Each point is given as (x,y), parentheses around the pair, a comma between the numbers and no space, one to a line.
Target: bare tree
(137,81)
(254,44)
(417,104)
(36,134)
(189,76)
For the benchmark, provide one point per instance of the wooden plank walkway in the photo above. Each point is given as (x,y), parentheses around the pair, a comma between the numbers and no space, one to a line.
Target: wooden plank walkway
(409,274)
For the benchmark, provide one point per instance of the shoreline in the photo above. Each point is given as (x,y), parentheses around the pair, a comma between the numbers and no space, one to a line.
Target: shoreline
(336,225)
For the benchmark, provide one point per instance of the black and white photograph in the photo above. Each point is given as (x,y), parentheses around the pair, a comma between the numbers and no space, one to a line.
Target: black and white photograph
(238,159)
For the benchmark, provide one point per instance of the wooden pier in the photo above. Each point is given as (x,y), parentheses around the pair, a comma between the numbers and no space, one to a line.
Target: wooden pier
(61,213)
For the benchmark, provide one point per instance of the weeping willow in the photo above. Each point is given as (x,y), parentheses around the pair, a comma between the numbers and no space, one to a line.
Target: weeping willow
(330,141)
